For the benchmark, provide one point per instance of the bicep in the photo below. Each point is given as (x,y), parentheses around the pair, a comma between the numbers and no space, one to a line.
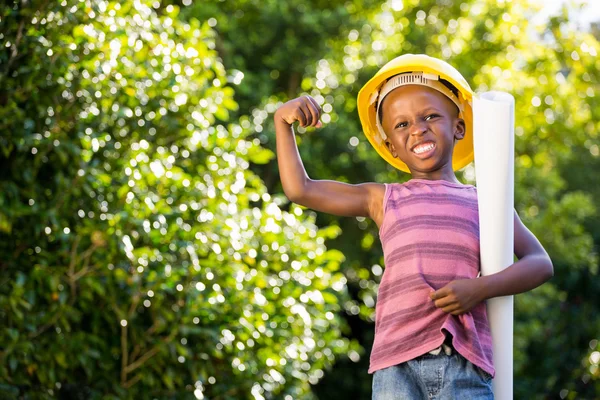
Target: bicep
(339,198)
(525,242)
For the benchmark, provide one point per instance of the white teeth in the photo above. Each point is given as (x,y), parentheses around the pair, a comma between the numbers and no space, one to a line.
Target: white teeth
(422,148)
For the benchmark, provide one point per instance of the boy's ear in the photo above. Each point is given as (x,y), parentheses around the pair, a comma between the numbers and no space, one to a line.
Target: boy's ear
(459,129)
(391,148)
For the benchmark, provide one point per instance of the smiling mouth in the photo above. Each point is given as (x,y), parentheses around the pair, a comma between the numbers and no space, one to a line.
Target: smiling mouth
(423,147)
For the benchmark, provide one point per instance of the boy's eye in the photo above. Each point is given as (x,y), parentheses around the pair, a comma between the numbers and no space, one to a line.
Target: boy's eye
(401,125)
(431,116)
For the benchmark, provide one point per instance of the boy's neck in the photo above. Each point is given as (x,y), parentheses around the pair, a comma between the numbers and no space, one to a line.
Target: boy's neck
(439,175)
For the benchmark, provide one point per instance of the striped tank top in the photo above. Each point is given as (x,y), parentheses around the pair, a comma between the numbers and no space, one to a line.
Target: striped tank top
(430,236)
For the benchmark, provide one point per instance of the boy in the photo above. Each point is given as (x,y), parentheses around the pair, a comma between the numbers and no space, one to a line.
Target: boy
(416,113)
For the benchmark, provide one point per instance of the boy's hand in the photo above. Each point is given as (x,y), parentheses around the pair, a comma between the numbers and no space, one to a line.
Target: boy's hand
(303,109)
(459,296)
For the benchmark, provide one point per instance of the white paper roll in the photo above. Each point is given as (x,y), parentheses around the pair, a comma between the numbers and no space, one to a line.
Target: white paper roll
(493,135)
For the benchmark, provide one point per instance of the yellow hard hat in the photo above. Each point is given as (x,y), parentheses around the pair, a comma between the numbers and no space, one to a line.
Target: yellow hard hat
(425,71)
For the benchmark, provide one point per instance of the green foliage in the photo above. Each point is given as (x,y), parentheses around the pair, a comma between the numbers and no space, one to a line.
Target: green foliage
(553,73)
(272,41)
(137,159)
(141,257)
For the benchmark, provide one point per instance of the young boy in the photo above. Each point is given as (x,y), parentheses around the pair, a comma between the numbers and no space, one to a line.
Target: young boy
(432,336)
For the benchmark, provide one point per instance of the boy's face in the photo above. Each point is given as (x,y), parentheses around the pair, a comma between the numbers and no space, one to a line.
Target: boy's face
(422,125)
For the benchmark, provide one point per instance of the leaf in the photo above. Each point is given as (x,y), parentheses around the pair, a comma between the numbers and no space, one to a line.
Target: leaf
(60,359)
(96,286)
(12,363)
(13,333)
(260,155)
(5,224)
(21,278)
(222,114)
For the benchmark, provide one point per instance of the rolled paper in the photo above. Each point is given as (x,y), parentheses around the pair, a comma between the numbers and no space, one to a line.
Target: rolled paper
(493,136)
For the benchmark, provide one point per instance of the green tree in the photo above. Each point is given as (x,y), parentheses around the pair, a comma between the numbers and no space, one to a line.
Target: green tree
(140,256)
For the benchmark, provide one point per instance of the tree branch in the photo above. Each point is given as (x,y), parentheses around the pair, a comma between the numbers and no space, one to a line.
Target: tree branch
(150,353)
(145,357)
(132,381)
(71,272)
(13,49)
(124,355)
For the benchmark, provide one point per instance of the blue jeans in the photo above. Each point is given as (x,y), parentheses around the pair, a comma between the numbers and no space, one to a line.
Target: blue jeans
(432,377)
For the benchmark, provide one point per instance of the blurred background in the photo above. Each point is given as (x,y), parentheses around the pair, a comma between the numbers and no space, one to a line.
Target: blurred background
(147,250)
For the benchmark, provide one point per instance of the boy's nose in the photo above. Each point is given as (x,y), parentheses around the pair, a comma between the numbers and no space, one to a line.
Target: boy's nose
(418,129)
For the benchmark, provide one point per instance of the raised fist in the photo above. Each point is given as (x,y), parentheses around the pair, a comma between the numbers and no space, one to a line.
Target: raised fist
(303,109)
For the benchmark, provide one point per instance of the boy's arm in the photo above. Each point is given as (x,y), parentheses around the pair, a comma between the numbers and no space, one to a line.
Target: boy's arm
(533,269)
(322,195)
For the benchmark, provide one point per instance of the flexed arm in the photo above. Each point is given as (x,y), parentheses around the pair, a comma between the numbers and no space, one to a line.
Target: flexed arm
(322,195)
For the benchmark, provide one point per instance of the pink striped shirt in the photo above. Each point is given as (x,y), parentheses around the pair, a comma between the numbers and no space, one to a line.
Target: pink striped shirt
(430,236)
